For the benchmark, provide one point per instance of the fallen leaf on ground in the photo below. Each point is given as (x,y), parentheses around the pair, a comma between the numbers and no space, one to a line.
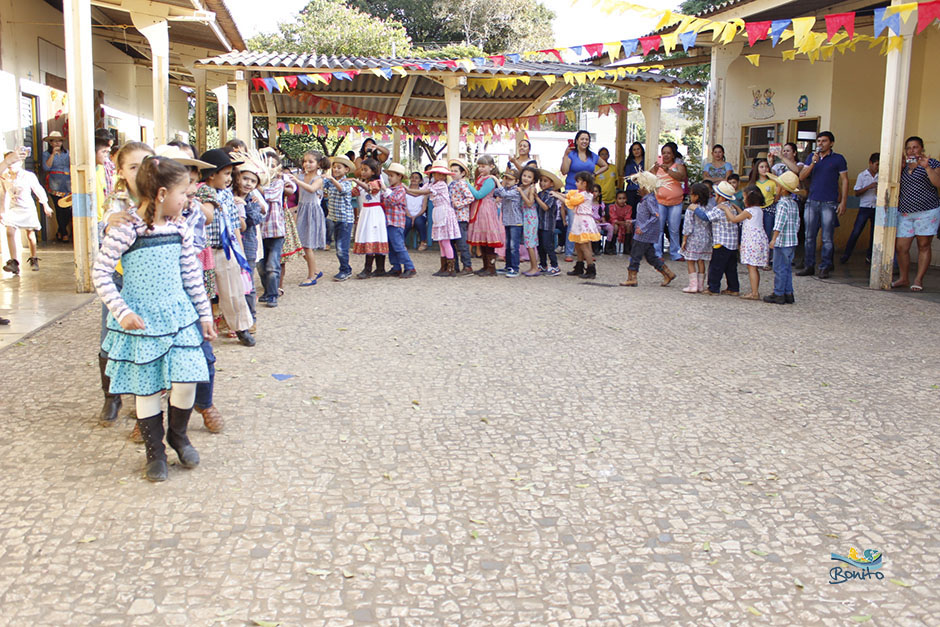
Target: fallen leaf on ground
(707,546)
(898,582)
(862,618)
(582,485)
(87,540)
(753,610)
(348,575)
(265,623)
(474,534)
(798,583)
(478,521)
(429,570)
(759,552)
(317,572)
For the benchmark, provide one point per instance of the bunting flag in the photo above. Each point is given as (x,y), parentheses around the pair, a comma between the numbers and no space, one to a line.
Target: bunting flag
(927,13)
(594,49)
(802,27)
(882,21)
(776,30)
(629,47)
(688,39)
(650,43)
(789,55)
(670,41)
(840,20)
(904,10)
(754,59)
(756,31)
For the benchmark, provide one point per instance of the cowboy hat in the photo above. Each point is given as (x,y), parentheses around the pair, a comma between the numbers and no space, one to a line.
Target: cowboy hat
(53,135)
(554,178)
(257,170)
(218,159)
(397,168)
(343,161)
(725,190)
(461,163)
(788,181)
(176,154)
(66,201)
(646,180)
(440,167)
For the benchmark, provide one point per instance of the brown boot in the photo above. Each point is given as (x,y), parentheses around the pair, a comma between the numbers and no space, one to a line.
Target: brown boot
(491,268)
(212,418)
(450,268)
(668,275)
(631,279)
(443,270)
(135,435)
(466,271)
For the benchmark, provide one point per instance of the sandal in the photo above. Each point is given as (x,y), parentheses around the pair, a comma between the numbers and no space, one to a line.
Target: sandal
(899,283)
(917,288)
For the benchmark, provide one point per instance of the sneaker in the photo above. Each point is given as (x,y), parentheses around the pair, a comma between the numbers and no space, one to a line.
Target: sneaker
(4,321)
(342,276)
(272,303)
(553,271)
(34,262)
(788,299)
(245,338)
(511,274)
(542,269)
(775,299)
(502,270)
(807,271)
(824,273)
(407,274)
(843,260)
(12,266)
(263,298)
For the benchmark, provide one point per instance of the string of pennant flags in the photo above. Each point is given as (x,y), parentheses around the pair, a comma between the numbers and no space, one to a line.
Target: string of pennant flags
(800,29)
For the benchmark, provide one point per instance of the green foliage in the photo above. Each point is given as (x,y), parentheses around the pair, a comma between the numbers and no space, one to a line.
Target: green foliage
(453,51)
(331,27)
(212,125)
(692,137)
(294,146)
(421,21)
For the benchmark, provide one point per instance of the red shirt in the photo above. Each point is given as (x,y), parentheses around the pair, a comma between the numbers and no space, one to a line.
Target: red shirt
(396,203)
(618,213)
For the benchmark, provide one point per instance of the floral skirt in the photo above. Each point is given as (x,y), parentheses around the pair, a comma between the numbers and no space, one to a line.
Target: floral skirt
(530,227)
(291,237)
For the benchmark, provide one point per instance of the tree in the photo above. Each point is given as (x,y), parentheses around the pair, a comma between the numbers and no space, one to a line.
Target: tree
(423,24)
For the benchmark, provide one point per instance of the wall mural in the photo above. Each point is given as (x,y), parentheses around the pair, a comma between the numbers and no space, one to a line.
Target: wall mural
(763,106)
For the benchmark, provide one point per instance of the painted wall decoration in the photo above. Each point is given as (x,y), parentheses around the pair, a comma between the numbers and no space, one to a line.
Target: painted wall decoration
(802,106)
(763,105)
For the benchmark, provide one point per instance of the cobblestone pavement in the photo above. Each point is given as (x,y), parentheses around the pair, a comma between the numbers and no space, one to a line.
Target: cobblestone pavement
(495,452)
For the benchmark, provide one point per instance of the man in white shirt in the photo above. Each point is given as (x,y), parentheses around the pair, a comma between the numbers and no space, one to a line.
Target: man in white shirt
(866,188)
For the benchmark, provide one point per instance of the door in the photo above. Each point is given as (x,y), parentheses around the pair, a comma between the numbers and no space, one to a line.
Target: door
(802,132)
(32,141)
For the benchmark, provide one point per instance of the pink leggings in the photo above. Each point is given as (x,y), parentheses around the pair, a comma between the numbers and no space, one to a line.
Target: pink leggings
(447,251)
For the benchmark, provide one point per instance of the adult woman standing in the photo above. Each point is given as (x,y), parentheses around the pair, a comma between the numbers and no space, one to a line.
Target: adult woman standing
(55,162)
(607,178)
(636,163)
(371,150)
(524,157)
(672,174)
(919,212)
(718,169)
(578,158)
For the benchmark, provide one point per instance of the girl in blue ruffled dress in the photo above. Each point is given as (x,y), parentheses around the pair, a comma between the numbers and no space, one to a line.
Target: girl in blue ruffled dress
(159,319)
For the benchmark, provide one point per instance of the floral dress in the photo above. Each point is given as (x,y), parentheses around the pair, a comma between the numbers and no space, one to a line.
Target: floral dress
(443,218)
(754,246)
(530,226)
(698,246)
(583,227)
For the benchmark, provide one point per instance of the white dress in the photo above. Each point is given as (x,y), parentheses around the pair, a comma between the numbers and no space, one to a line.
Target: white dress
(754,246)
(19,210)
(371,234)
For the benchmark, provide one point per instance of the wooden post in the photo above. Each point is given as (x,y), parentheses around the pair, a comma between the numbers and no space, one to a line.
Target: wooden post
(272,119)
(242,108)
(652,112)
(221,97)
(200,142)
(396,145)
(452,102)
(79,69)
(620,144)
(155,30)
(893,120)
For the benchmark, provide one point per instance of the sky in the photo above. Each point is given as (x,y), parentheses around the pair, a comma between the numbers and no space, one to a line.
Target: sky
(578,24)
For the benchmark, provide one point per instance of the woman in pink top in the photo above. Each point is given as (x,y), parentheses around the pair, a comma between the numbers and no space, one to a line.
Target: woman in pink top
(671,172)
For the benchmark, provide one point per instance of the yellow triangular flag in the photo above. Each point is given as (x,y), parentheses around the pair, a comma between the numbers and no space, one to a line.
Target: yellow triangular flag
(665,20)
(802,26)
(905,10)
(719,29)
(827,52)
(754,59)
(281,83)
(401,71)
(686,24)
(789,55)
(549,79)
(581,77)
(894,43)
(612,48)
(569,77)
(876,41)
(670,41)
(787,35)
(813,55)
(841,47)
(838,37)
(377,72)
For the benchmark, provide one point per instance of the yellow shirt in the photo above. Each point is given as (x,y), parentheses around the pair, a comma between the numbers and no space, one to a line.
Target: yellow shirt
(769,189)
(99,191)
(608,183)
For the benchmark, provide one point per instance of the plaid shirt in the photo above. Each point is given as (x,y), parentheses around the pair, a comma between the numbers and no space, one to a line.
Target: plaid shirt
(724,232)
(461,198)
(396,203)
(787,222)
(273,225)
(339,201)
(225,210)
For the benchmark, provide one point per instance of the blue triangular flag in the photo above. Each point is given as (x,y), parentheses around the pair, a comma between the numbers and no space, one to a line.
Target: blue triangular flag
(387,72)
(578,50)
(303,79)
(629,47)
(283,377)
(688,39)
(479,60)
(893,22)
(424,66)
(272,84)
(513,58)
(343,76)
(776,30)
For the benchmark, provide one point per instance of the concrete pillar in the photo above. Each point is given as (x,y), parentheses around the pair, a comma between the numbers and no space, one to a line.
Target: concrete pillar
(652,107)
(221,97)
(452,102)
(242,108)
(620,144)
(893,120)
(200,76)
(79,69)
(155,30)
(722,57)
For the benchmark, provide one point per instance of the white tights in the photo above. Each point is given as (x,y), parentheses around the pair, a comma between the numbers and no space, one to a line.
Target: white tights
(182,396)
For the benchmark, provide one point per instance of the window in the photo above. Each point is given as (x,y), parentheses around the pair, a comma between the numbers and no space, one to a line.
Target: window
(803,134)
(755,142)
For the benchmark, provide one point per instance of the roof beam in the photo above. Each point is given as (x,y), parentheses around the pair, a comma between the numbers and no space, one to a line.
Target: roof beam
(213,25)
(405,95)
(554,92)
(170,12)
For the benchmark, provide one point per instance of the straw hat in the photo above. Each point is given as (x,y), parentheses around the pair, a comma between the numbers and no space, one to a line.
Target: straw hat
(646,180)
(257,170)
(343,161)
(461,163)
(66,201)
(725,190)
(788,181)
(176,154)
(397,168)
(53,135)
(554,178)
(440,167)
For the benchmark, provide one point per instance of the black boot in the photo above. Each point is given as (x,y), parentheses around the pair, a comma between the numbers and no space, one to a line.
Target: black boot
(578,269)
(590,273)
(379,266)
(177,422)
(112,402)
(152,431)
(367,269)
(609,249)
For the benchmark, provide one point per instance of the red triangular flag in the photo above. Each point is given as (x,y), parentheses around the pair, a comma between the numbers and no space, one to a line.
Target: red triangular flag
(291,81)
(594,49)
(498,59)
(258,83)
(448,63)
(927,13)
(840,20)
(650,43)
(756,31)
(552,51)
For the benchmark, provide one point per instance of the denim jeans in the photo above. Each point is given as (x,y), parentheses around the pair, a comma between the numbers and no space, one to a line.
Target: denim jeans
(397,252)
(462,247)
(569,245)
(769,218)
(204,390)
(252,297)
(864,215)
(819,215)
(547,249)
(118,279)
(270,267)
(513,239)
(671,216)
(724,263)
(329,231)
(343,233)
(639,250)
(783,270)
(420,224)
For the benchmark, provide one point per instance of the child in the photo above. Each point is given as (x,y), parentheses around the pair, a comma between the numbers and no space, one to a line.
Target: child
(759,177)
(583,230)
(620,215)
(252,207)
(512,220)
(102,156)
(444,221)
(724,259)
(18,210)
(461,198)
(547,211)
(530,218)
(154,341)
(754,248)
(396,207)
(784,238)
(647,229)
(274,229)
(599,213)
(417,211)
(696,239)
(371,232)
(866,188)
(222,235)
(338,190)
(485,229)
(311,223)
(738,199)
